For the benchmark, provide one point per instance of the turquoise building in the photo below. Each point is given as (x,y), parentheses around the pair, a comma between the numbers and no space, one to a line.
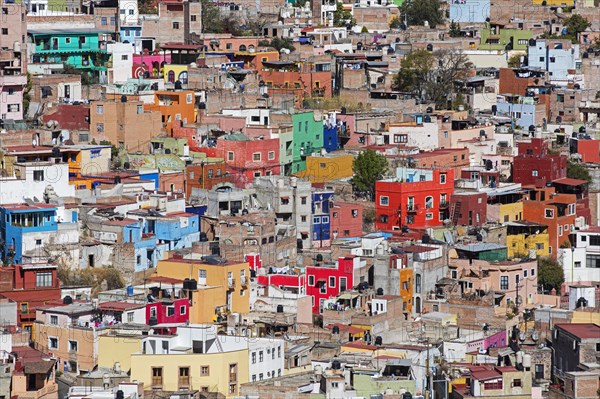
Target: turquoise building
(308,138)
(84,49)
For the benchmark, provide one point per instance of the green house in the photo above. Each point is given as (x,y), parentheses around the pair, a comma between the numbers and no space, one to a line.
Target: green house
(308,138)
(494,37)
(83,49)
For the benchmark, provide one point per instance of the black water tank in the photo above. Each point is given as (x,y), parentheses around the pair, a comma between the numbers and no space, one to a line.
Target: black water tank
(279,308)
(426,239)
(429,110)
(178,85)
(335,330)
(494,109)
(336,365)
(67,300)
(193,285)
(56,152)
(407,395)
(203,237)
(379,291)
(186,284)
(123,98)
(319,258)
(378,340)
(117,179)
(120,394)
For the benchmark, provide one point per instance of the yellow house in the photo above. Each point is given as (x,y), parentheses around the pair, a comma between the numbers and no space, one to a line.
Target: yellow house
(89,160)
(114,349)
(207,372)
(174,72)
(511,212)
(221,287)
(321,169)
(523,237)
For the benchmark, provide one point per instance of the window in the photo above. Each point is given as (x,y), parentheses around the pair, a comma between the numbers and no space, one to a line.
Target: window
(542,59)
(332,282)
(303,200)
(429,216)
(175,25)
(54,320)
(418,283)
(24,308)
(322,287)
(549,213)
(497,384)
(517,383)
(43,279)
(38,175)
(316,220)
(539,372)
(182,310)
(271,155)
(325,219)
(429,202)
(442,178)
(253,357)
(204,371)
(383,218)
(52,343)
(504,283)
(5,31)
(230,156)
(140,109)
(193,18)
(184,376)
(560,230)
(157,376)
(170,310)
(261,356)
(384,200)
(130,317)
(279,351)
(343,283)
(354,213)
(256,156)
(72,346)
(233,372)
(38,242)
(153,311)
(594,240)
(131,12)
(534,172)
(303,218)
(311,280)
(113,20)
(99,127)
(104,21)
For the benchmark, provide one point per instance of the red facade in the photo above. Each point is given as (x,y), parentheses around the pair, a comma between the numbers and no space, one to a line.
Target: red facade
(176,311)
(415,204)
(247,159)
(346,219)
(324,282)
(534,166)
(469,209)
(30,286)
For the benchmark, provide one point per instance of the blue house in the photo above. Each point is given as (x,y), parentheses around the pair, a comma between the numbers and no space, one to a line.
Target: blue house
(128,33)
(25,228)
(330,137)
(322,201)
(469,11)
(177,230)
(522,110)
(144,245)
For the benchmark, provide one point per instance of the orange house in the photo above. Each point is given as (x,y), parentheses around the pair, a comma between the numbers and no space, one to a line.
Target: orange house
(557,211)
(303,79)
(255,60)
(174,105)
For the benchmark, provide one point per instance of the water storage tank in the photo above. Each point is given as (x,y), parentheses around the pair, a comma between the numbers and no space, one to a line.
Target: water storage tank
(527,361)
(130,290)
(193,285)
(379,291)
(335,330)
(336,365)
(67,300)
(279,308)
(378,340)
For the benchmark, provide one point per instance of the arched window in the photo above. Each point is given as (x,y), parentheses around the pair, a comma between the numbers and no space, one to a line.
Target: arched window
(417,283)
(171,77)
(429,202)
(418,305)
(242,47)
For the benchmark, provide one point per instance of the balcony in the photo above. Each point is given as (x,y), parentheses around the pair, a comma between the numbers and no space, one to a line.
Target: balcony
(444,204)
(231,283)
(244,282)
(411,208)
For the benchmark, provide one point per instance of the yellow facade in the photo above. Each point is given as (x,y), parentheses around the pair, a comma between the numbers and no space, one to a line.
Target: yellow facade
(73,344)
(221,288)
(580,317)
(118,349)
(174,72)
(208,372)
(91,161)
(519,245)
(511,212)
(325,169)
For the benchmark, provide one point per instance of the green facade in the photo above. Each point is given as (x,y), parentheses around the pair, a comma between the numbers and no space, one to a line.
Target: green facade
(502,38)
(308,138)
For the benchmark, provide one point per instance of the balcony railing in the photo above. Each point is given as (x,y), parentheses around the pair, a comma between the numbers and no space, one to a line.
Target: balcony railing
(411,207)
(231,283)
(444,204)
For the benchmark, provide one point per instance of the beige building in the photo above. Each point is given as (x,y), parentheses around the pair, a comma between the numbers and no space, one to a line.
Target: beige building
(124,124)
(175,21)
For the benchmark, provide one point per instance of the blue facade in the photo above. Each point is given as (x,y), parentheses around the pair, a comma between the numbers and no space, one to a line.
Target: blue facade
(178,231)
(321,224)
(150,175)
(144,246)
(469,11)
(128,34)
(554,57)
(18,221)
(330,138)
(522,114)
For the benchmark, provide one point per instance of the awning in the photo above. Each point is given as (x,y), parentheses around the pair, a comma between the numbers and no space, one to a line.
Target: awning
(348,295)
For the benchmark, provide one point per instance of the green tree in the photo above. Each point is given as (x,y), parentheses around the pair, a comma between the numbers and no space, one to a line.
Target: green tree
(27,95)
(281,43)
(550,274)
(395,23)
(364,30)
(415,68)
(578,171)
(368,167)
(419,11)
(454,30)
(342,17)
(514,61)
(575,24)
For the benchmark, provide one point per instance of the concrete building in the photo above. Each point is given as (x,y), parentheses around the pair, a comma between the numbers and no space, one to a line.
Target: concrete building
(469,11)
(574,344)
(13,60)
(124,124)
(581,262)
(559,57)
(176,20)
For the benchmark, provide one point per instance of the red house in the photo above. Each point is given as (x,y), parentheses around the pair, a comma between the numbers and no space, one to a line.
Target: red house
(416,198)
(168,311)
(346,219)
(326,281)
(247,159)
(534,166)
(468,209)
(30,286)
